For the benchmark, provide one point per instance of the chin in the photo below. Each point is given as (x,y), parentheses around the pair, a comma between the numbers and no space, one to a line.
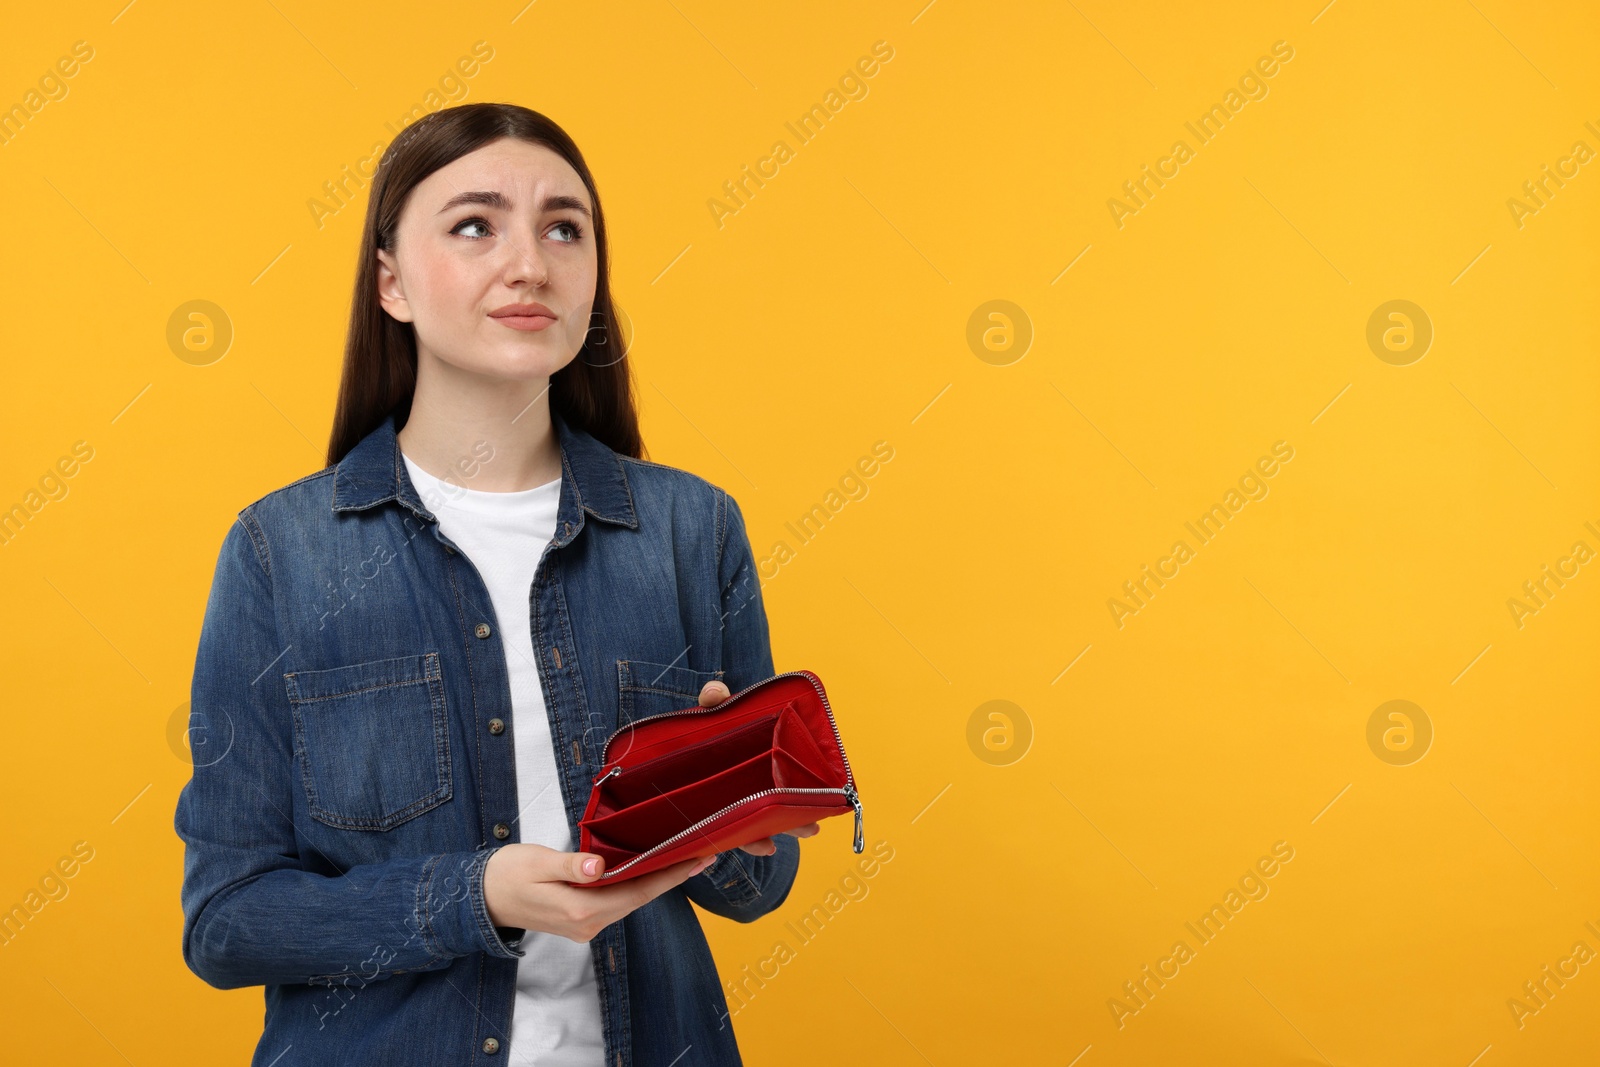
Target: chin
(522,370)
(514,362)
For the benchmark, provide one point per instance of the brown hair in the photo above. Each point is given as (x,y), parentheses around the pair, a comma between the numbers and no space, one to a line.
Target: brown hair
(593,393)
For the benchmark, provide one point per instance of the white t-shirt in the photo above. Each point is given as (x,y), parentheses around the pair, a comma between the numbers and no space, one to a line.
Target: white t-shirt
(556,1018)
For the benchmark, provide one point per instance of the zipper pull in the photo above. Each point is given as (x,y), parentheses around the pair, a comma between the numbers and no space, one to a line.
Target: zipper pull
(854,798)
(615,770)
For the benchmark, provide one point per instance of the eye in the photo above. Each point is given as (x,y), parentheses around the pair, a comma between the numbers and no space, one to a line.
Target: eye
(577,231)
(474,221)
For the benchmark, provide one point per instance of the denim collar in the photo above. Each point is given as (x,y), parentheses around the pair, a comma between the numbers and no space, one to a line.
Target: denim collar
(593,479)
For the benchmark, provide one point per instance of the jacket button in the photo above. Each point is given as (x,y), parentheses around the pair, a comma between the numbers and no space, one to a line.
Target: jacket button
(502,831)
(497,726)
(482,629)
(491,1045)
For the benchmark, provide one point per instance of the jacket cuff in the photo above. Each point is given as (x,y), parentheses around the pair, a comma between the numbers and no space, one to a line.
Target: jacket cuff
(453,913)
(736,876)
(755,885)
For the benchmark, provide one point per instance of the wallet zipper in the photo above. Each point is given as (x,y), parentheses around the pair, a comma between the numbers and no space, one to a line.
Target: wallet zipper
(849,792)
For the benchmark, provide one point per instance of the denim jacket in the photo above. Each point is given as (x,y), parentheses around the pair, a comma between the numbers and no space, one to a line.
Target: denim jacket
(351,734)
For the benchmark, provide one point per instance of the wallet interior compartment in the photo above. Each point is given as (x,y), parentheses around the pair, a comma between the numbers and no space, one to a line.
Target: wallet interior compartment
(794,737)
(609,850)
(649,822)
(686,734)
(791,772)
(665,773)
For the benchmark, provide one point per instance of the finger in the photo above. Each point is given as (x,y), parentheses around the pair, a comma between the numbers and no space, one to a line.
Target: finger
(807,830)
(647,887)
(765,847)
(549,865)
(713,693)
(584,866)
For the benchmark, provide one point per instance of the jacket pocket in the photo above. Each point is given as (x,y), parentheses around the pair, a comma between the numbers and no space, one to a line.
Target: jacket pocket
(645,689)
(372,740)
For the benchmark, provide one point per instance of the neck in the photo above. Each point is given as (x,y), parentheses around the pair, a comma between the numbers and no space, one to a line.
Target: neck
(490,434)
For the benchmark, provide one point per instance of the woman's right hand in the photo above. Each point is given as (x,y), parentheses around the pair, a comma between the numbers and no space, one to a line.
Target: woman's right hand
(525,886)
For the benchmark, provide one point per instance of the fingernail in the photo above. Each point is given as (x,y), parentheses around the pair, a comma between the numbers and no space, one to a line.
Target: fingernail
(591,865)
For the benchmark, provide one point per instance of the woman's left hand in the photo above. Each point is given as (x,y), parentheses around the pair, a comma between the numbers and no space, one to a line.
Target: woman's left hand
(715,693)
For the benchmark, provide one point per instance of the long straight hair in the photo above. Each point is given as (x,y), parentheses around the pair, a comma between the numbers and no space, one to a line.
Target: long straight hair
(593,393)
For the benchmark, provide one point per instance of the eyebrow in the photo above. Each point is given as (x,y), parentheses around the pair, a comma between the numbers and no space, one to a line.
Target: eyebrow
(500,202)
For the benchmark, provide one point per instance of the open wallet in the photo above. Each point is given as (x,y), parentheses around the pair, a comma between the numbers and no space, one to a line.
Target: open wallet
(690,783)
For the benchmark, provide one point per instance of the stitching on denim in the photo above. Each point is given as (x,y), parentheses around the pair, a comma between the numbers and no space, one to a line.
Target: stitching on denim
(472,686)
(352,692)
(423,879)
(383,822)
(631,686)
(568,478)
(620,463)
(558,737)
(325,472)
(430,939)
(486,933)
(476,1027)
(666,692)
(393,495)
(479,902)
(563,618)
(622,472)
(258,540)
(729,860)
(719,521)
(303,758)
(424,891)
(667,467)
(431,671)
(444,768)
(624,694)
(438,713)
(402,478)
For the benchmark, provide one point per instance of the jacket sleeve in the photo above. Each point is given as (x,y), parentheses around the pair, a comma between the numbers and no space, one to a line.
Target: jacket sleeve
(741,886)
(253,914)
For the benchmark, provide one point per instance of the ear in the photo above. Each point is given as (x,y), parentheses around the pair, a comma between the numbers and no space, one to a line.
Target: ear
(391,294)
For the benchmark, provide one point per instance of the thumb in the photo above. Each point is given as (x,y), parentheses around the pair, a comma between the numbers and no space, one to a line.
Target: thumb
(584,866)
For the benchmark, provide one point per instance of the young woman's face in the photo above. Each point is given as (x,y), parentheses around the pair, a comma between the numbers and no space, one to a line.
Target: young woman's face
(507,224)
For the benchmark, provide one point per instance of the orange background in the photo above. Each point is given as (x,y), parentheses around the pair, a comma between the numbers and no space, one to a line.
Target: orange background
(1137,773)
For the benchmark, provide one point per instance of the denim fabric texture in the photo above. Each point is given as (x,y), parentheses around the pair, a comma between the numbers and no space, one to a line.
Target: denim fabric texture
(352,691)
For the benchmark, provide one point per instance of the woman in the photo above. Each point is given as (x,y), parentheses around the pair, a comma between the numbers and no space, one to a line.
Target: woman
(415,655)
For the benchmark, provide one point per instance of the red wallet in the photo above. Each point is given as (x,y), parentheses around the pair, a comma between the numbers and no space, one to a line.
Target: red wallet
(699,781)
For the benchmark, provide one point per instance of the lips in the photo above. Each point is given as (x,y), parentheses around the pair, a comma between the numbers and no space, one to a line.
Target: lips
(529,316)
(522,311)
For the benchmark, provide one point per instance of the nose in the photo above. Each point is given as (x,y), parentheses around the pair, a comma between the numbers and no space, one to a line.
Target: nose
(526,262)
